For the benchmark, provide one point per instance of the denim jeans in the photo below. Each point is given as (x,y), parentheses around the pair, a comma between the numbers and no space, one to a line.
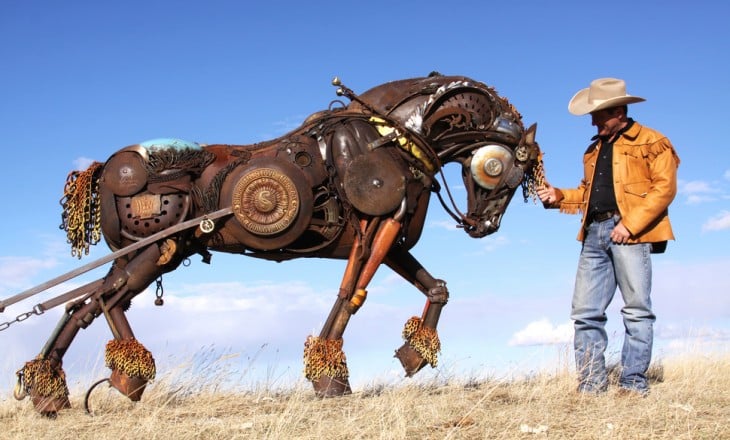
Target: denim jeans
(603,266)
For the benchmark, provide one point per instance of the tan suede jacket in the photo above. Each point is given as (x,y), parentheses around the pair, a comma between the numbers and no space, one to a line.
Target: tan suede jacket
(645,183)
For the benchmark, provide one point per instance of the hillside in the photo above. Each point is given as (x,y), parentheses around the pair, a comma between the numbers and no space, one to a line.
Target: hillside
(690,399)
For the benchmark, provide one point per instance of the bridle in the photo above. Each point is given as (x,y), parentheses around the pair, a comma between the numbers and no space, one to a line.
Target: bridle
(490,123)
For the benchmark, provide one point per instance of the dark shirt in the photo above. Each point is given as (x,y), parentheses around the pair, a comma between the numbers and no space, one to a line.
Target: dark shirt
(602,197)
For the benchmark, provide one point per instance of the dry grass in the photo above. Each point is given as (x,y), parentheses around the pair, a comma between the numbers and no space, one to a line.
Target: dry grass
(690,399)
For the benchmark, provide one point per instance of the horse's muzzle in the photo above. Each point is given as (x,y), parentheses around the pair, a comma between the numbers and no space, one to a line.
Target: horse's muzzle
(480,229)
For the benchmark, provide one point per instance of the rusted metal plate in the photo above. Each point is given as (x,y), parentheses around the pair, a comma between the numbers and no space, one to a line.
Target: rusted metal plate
(125,173)
(146,206)
(374,183)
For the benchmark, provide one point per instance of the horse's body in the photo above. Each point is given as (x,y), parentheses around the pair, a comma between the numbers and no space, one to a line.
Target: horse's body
(352,182)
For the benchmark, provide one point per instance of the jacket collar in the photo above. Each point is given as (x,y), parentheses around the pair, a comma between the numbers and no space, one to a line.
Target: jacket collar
(630,130)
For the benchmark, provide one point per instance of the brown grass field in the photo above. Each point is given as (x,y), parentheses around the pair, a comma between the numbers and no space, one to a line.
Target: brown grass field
(689,399)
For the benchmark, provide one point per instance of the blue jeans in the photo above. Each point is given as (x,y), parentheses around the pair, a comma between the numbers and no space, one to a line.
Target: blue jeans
(603,266)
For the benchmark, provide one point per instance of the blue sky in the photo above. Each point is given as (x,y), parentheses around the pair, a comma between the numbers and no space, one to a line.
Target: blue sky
(82,79)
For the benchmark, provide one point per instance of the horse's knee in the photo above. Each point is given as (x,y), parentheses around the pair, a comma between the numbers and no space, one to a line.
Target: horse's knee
(438,294)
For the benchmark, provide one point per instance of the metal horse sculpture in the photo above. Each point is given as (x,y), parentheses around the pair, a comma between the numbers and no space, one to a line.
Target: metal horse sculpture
(352,182)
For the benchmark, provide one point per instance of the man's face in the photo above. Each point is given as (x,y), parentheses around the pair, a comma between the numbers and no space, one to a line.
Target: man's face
(608,121)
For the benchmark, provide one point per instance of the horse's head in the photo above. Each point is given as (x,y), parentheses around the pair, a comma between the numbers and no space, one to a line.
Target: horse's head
(457,119)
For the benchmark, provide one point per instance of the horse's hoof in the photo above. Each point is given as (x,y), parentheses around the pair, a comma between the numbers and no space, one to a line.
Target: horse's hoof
(411,360)
(327,386)
(49,406)
(132,387)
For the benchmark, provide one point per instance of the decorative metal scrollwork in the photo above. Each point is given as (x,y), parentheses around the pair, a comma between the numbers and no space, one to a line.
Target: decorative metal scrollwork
(265,201)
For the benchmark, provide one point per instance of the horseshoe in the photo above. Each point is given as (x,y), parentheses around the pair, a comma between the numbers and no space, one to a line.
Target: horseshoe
(88,394)
(19,392)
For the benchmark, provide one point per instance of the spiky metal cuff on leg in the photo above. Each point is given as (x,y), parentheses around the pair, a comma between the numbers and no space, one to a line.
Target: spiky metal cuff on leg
(131,358)
(424,340)
(324,357)
(44,384)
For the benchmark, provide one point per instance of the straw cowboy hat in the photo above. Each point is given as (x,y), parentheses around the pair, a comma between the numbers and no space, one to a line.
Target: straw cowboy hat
(603,93)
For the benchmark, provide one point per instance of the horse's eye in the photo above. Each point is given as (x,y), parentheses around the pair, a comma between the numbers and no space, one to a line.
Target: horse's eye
(489,163)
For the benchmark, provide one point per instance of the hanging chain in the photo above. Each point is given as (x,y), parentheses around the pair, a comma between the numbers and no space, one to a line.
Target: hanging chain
(81,216)
(534,179)
(159,292)
(37,310)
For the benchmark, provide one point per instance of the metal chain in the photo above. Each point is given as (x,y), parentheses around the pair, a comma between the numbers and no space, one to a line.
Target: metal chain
(159,292)
(81,217)
(22,317)
(534,179)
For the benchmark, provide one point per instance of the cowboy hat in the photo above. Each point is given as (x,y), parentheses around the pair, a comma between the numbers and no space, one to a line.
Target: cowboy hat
(603,93)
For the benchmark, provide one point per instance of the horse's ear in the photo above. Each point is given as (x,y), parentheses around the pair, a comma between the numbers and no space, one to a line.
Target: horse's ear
(530,134)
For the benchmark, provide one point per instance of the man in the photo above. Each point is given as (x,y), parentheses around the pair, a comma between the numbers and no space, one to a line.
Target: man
(630,178)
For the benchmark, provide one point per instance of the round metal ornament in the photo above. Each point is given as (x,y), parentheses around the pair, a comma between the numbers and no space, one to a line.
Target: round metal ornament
(489,163)
(265,201)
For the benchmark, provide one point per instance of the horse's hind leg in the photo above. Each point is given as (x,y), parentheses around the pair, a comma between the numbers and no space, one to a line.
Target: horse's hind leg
(43,378)
(131,363)
(422,343)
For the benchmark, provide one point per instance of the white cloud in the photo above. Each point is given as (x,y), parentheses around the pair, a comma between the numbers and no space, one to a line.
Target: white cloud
(18,271)
(726,176)
(239,317)
(487,309)
(694,199)
(695,187)
(717,223)
(82,163)
(698,191)
(702,343)
(543,332)
(701,334)
(231,316)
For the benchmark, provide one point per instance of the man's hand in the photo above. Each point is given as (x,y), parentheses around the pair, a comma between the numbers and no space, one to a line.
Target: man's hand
(547,194)
(620,234)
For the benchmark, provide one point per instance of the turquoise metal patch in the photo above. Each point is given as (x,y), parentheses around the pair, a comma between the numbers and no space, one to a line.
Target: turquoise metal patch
(165,143)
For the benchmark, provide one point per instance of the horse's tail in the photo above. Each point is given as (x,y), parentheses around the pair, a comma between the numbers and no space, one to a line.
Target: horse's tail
(81,216)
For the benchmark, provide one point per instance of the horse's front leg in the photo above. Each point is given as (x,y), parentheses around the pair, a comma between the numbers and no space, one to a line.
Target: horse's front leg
(324,359)
(422,342)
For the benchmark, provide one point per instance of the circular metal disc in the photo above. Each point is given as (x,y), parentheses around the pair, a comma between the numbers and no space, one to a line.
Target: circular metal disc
(272,203)
(265,201)
(489,163)
(125,173)
(374,183)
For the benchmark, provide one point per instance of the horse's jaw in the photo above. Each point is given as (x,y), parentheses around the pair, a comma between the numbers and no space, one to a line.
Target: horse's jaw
(483,228)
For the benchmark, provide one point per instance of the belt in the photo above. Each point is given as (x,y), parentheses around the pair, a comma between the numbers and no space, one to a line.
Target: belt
(602,216)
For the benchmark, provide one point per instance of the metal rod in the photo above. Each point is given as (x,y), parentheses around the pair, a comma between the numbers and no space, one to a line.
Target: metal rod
(114,255)
(54,336)
(73,294)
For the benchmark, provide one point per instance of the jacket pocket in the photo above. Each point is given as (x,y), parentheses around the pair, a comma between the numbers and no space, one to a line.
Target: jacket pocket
(639,189)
